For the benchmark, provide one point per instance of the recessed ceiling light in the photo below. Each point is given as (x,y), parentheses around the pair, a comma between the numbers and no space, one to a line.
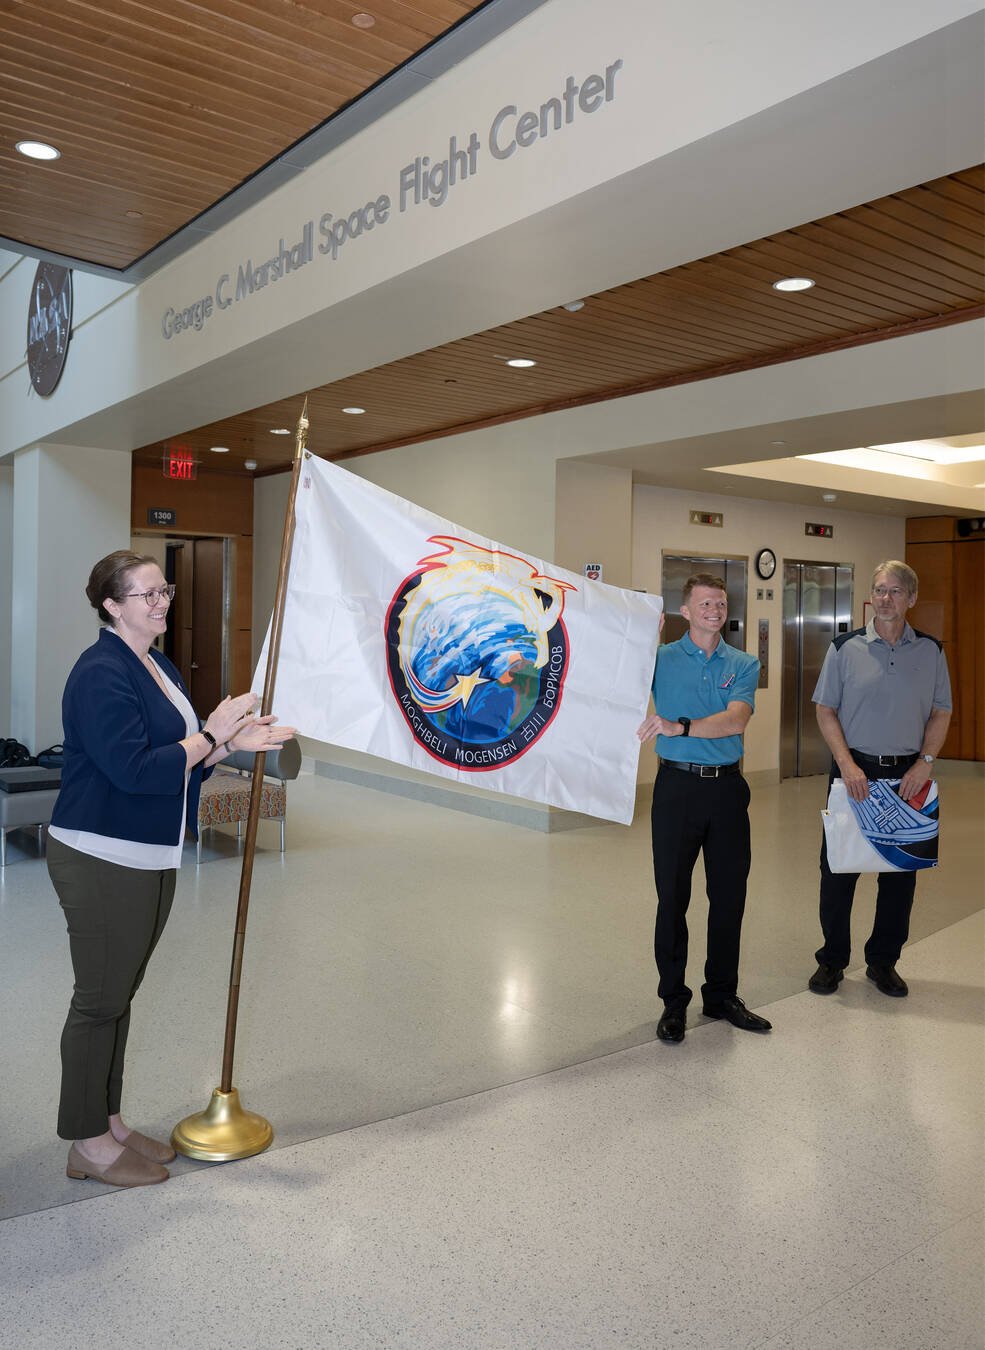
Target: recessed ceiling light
(280,431)
(354,412)
(793,284)
(219,449)
(249,464)
(777,442)
(573,306)
(363,21)
(134,215)
(38,150)
(829,496)
(521,362)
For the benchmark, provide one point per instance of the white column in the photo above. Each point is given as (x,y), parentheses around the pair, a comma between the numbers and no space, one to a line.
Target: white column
(593,520)
(71,506)
(6,564)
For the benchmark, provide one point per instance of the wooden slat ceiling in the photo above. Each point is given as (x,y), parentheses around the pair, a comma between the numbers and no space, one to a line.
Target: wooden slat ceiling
(162,107)
(909,261)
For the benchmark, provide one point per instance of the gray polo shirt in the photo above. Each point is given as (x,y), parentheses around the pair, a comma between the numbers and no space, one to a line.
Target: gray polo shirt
(884,695)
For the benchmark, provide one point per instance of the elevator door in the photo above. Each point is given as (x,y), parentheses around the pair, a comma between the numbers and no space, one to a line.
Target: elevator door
(676,570)
(817,606)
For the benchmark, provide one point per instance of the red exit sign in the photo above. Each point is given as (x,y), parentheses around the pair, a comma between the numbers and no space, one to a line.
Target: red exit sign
(179,462)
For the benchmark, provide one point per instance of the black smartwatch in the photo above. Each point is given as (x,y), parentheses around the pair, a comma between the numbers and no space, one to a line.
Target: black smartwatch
(209,737)
(686,724)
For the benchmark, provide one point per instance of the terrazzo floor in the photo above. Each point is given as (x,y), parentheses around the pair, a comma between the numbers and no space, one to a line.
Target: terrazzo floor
(450,1021)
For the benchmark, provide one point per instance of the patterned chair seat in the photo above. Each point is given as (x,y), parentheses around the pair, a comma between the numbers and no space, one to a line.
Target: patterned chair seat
(225,798)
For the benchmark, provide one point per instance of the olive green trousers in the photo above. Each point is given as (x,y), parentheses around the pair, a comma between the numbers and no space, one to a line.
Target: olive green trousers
(115,916)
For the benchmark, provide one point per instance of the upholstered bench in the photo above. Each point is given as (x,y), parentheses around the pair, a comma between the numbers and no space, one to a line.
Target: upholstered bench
(24,805)
(225,798)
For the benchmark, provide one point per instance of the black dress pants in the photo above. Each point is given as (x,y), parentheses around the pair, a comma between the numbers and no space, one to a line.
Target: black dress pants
(691,814)
(894,897)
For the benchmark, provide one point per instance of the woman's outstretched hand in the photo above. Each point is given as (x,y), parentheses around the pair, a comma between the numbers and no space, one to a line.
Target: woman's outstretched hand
(261,734)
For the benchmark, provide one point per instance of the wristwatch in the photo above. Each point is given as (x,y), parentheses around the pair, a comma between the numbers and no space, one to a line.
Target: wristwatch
(686,724)
(209,737)
(927,759)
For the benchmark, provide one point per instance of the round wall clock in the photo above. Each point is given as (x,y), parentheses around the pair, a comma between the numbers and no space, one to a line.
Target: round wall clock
(766,563)
(49,325)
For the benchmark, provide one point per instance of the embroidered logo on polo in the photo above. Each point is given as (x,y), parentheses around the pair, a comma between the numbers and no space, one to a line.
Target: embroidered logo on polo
(477,653)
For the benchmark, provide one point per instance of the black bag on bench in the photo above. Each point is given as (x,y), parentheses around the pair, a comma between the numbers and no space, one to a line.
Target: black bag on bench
(13,754)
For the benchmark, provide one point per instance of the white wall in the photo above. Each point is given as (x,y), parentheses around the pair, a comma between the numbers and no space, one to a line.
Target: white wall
(498,482)
(6,573)
(269,505)
(660,524)
(71,508)
(154,546)
(593,513)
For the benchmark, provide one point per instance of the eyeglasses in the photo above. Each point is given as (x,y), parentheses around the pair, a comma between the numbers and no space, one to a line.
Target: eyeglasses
(880,592)
(152,597)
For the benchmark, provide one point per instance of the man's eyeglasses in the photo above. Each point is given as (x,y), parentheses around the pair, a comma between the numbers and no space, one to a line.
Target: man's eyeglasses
(152,597)
(880,592)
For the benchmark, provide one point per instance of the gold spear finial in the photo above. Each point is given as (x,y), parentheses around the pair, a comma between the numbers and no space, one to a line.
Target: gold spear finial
(302,432)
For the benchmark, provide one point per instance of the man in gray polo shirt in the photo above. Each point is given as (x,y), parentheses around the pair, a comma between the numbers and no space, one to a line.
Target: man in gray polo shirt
(883,705)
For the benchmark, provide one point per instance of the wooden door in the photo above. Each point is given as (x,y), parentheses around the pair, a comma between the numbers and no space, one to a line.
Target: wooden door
(207,625)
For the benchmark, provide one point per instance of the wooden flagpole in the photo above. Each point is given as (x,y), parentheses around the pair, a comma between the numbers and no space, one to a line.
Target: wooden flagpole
(225,1130)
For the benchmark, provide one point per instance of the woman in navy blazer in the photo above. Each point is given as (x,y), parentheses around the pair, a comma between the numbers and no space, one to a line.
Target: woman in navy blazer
(135,756)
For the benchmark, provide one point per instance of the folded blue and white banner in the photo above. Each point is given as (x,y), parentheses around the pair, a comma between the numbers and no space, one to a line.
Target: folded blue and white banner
(883,833)
(408,637)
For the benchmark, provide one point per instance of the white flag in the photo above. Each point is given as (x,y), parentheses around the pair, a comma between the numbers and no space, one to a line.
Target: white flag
(407,637)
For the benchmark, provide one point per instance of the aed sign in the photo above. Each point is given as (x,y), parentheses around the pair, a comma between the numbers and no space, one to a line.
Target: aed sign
(593,570)
(180,463)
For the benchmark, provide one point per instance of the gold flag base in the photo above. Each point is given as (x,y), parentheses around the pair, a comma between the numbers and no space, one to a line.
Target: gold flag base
(223,1131)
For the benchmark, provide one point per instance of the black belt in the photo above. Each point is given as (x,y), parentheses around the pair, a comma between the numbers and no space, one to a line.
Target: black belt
(885,761)
(702,770)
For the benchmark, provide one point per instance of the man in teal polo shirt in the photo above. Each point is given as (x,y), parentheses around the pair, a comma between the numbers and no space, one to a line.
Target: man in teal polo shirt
(704,692)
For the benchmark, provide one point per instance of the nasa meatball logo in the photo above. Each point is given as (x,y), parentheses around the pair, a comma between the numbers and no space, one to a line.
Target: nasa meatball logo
(49,326)
(477,653)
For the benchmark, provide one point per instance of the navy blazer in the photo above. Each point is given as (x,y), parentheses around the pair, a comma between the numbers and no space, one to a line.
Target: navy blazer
(124,771)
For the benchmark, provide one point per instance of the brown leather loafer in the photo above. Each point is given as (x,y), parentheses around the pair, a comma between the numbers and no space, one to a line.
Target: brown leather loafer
(129,1169)
(149,1148)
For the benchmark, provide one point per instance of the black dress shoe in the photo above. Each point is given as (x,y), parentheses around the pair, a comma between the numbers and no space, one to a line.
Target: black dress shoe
(736,1012)
(887,981)
(671,1025)
(825,979)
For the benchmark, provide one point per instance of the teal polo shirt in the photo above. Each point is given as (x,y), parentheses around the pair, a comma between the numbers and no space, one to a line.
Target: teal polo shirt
(686,683)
